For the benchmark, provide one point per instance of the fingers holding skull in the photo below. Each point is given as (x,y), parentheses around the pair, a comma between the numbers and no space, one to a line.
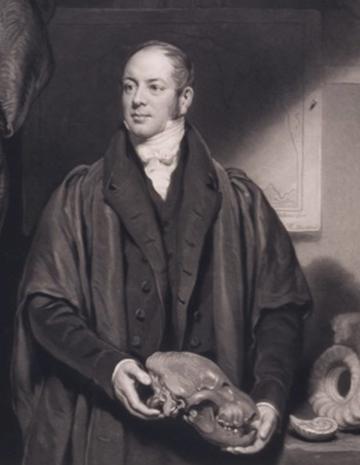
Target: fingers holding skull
(127,377)
(191,385)
(265,426)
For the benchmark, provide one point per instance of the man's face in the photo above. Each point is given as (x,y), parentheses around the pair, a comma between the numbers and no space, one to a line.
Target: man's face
(149,97)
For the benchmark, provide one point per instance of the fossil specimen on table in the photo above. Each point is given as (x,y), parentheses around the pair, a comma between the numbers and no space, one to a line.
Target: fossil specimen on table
(326,395)
(314,429)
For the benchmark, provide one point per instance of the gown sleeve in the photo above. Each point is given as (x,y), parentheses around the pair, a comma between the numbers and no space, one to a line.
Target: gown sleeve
(278,295)
(55,310)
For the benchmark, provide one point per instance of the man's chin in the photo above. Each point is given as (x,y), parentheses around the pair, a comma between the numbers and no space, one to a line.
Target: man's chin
(141,131)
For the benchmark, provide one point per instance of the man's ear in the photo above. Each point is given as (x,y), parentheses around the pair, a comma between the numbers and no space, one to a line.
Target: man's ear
(185,100)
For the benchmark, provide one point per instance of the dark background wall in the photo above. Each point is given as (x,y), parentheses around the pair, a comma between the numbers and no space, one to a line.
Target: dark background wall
(330,257)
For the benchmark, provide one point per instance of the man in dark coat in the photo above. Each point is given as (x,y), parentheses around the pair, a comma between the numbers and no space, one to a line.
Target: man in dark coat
(153,247)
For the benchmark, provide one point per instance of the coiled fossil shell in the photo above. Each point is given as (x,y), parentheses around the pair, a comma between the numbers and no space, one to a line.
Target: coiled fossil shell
(315,429)
(325,397)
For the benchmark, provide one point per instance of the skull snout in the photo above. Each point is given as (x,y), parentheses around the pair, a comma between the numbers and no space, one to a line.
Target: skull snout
(230,416)
(227,414)
(235,417)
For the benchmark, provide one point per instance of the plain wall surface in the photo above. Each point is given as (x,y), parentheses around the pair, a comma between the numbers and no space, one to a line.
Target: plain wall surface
(332,257)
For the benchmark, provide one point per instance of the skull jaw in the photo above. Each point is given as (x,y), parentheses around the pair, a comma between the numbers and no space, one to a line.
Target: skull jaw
(223,417)
(207,425)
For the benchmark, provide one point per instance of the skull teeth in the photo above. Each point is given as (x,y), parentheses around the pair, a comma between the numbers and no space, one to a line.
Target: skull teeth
(234,428)
(193,413)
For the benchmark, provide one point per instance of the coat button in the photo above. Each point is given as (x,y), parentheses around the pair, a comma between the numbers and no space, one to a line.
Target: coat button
(181,300)
(166,225)
(190,243)
(146,286)
(136,341)
(197,315)
(194,342)
(140,314)
(112,187)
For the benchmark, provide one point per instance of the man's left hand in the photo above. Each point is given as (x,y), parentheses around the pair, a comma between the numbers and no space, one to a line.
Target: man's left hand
(265,425)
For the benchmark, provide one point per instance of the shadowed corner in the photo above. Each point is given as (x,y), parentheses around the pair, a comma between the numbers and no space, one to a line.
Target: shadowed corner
(335,291)
(263,95)
(25,68)
(3,123)
(3,185)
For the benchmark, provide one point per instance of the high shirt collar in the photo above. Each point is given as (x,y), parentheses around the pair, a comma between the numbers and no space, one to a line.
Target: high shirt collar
(164,145)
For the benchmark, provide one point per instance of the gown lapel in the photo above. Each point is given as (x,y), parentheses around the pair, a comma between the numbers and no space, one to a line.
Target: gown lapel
(200,204)
(125,192)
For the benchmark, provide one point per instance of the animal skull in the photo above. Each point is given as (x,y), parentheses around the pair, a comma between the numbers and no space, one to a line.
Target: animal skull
(194,386)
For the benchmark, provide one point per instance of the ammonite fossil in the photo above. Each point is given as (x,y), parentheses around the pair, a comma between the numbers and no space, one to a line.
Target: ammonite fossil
(326,397)
(315,429)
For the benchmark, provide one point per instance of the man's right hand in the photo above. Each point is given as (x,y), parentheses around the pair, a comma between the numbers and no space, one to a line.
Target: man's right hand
(127,375)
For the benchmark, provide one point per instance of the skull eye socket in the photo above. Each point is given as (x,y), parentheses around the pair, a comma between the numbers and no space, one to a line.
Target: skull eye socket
(204,405)
(227,391)
(204,399)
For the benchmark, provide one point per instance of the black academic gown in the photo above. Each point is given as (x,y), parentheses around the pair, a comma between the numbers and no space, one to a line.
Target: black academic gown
(62,387)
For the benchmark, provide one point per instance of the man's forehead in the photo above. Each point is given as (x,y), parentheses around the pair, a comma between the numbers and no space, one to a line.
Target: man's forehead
(149,63)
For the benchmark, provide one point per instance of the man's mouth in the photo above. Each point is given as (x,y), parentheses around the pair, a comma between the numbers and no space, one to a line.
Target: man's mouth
(139,118)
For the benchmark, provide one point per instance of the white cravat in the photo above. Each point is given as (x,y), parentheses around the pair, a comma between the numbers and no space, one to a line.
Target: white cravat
(160,154)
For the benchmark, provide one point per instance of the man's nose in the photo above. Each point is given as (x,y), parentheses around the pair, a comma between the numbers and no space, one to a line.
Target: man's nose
(139,97)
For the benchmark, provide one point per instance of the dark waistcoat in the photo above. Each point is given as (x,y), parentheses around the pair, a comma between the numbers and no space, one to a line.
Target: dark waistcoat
(151,327)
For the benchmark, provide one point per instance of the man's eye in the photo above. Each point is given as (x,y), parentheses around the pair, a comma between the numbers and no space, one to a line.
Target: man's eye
(156,88)
(128,87)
